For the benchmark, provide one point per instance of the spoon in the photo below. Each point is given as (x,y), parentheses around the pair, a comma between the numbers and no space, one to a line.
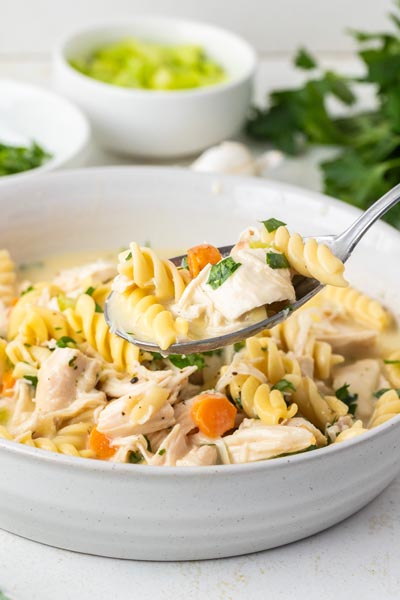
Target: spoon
(342,245)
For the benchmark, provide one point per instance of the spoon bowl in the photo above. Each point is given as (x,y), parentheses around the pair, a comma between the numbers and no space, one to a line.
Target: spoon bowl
(341,246)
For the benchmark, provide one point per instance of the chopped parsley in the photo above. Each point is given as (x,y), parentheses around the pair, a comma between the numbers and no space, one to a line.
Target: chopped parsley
(187,360)
(238,402)
(284,386)
(64,341)
(64,302)
(148,443)
(128,256)
(162,451)
(392,362)
(380,393)
(345,396)
(16,159)
(238,346)
(220,272)
(33,380)
(276,260)
(90,290)
(272,224)
(28,289)
(98,308)
(135,457)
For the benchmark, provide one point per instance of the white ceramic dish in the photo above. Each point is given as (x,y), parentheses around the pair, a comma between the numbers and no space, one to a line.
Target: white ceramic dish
(162,124)
(30,113)
(169,513)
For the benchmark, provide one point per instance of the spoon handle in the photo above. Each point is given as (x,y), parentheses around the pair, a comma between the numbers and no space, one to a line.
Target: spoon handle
(346,241)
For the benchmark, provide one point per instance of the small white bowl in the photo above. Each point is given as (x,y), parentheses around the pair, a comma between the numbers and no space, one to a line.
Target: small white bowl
(29,113)
(152,123)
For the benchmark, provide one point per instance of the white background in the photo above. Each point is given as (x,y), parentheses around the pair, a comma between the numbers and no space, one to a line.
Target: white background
(273,26)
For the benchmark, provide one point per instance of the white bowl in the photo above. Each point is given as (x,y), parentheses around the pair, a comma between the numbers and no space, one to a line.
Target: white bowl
(170,513)
(162,124)
(31,113)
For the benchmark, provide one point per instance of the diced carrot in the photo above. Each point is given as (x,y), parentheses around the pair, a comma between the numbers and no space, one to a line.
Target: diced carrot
(14,301)
(200,256)
(213,414)
(100,444)
(8,383)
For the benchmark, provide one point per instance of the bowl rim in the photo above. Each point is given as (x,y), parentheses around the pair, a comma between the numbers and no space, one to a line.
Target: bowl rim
(59,57)
(93,465)
(56,161)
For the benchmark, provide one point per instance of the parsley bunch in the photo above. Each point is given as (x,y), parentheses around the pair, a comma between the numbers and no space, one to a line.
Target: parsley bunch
(16,159)
(369,160)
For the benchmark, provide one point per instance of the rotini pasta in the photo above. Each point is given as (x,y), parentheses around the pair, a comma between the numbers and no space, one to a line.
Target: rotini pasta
(7,278)
(387,407)
(147,271)
(70,386)
(91,325)
(308,258)
(367,311)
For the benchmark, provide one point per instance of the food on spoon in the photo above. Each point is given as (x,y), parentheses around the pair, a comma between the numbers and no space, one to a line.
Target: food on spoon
(210,295)
(132,63)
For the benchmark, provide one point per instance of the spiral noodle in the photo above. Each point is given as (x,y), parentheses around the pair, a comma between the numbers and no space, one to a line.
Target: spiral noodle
(258,400)
(25,358)
(392,369)
(28,300)
(287,333)
(42,324)
(152,320)
(267,358)
(387,407)
(308,258)
(71,440)
(91,325)
(362,308)
(320,410)
(348,434)
(7,278)
(150,272)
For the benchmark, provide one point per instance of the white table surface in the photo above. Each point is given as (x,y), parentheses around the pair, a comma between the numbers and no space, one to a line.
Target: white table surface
(358,558)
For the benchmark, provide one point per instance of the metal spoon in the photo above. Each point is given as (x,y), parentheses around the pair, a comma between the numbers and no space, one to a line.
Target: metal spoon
(342,245)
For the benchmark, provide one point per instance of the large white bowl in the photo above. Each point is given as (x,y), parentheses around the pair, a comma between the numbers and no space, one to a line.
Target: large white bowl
(169,513)
(29,113)
(151,123)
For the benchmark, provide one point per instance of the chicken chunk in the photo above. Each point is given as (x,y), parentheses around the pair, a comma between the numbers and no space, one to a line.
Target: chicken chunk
(363,378)
(66,373)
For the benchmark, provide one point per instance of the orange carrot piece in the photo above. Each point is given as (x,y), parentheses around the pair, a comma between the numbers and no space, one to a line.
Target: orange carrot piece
(14,301)
(100,444)
(200,256)
(213,414)
(8,383)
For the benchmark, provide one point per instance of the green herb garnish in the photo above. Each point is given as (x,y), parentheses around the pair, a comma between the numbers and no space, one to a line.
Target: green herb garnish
(98,308)
(64,341)
(272,224)
(220,272)
(148,443)
(368,163)
(72,361)
(64,302)
(238,346)
(16,159)
(28,289)
(128,256)
(187,360)
(392,362)
(276,260)
(135,457)
(33,380)
(345,396)
(380,393)
(284,386)
(162,451)
(90,291)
